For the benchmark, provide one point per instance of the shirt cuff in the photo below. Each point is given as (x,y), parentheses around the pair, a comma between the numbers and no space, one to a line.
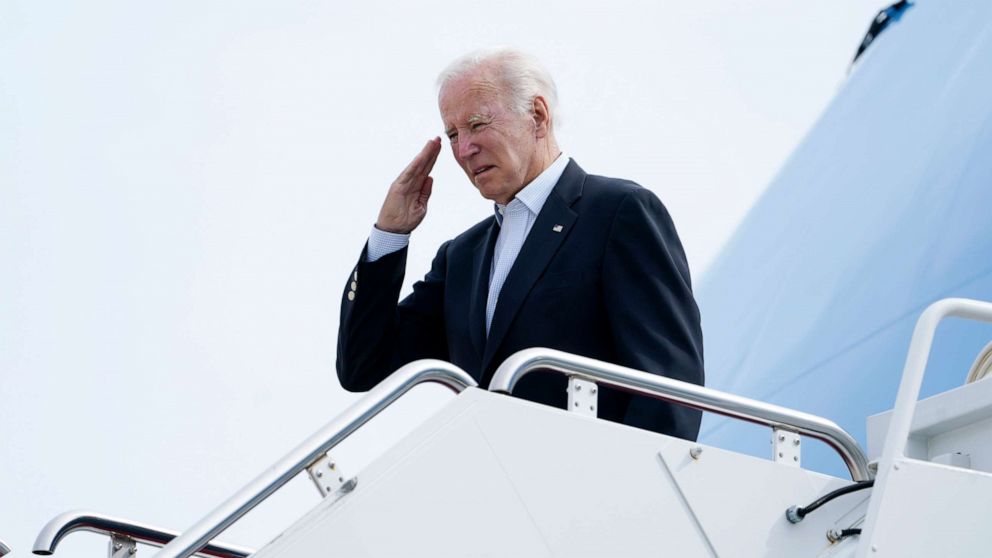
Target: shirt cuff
(382,243)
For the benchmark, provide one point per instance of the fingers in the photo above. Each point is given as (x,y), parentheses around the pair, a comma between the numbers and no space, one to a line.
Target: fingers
(422,164)
(435,145)
(427,157)
(406,201)
(428,184)
(425,191)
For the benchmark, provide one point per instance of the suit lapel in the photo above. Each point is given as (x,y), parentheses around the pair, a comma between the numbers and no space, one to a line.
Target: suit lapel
(553,225)
(481,264)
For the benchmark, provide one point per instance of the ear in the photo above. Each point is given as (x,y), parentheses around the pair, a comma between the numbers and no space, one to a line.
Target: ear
(542,117)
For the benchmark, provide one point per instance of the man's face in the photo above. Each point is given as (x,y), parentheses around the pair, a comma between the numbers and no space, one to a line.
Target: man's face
(495,146)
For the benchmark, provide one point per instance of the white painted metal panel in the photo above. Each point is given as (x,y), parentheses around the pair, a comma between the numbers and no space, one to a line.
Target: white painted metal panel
(593,487)
(739,502)
(843,549)
(447,497)
(498,476)
(930,510)
(492,475)
(959,420)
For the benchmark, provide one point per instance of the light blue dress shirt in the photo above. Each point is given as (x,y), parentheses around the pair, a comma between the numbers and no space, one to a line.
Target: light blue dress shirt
(515,220)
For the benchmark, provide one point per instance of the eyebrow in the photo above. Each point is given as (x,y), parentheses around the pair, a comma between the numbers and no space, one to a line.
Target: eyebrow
(470,120)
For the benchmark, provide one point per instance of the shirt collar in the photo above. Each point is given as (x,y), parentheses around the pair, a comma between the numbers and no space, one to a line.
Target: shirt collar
(534,194)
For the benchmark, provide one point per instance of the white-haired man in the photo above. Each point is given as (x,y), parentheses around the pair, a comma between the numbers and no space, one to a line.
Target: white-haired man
(571,261)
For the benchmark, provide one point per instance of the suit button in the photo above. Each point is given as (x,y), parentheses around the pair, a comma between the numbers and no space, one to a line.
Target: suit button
(355,275)
(351,295)
(354,286)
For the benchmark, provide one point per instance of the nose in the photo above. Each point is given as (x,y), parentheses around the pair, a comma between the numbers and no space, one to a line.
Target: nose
(465,148)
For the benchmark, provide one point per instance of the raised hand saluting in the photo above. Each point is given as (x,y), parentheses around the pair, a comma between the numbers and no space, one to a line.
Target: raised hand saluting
(406,202)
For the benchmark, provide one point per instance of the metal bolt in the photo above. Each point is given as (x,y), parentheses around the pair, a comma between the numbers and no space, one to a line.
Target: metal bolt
(795,442)
(576,403)
(896,466)
(781,437)
(578,387)
(118,546)
(795,458)
(331,465)
(833,535)
(133,550)
(350,485)
(874,548)
(780,454)
(340,479)
(593,391)
(319,474)
(592,408)
(695,452)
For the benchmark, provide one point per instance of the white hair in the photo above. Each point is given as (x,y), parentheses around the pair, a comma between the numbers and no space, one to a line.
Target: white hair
(521,76)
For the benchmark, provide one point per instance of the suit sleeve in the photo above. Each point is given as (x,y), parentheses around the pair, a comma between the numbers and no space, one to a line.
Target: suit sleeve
(652,313)
(376,335)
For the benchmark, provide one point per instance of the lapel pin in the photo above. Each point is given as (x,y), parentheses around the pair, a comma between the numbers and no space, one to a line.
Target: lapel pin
(557,228)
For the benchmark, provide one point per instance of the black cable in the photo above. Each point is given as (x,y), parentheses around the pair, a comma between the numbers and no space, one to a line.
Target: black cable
(835,536)
(796,514)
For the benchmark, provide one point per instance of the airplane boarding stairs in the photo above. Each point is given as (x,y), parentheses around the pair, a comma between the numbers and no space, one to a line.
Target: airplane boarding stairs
(491,475)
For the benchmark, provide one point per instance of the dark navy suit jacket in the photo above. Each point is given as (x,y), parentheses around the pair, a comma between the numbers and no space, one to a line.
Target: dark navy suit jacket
(613,285)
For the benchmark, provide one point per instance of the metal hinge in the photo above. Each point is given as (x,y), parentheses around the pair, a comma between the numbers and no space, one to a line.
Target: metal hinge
(121,546)
(583,396)
(328,477)
(786,447)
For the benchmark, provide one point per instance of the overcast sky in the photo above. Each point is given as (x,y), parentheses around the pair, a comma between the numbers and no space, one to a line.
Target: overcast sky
(184,187)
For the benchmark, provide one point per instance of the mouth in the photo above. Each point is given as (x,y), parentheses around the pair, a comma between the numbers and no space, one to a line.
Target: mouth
(479,171)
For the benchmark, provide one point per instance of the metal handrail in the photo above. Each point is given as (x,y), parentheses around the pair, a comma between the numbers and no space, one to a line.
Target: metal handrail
(901,421)
(313,448)
(691,395)
(81,520)
(4,549)
(916,365)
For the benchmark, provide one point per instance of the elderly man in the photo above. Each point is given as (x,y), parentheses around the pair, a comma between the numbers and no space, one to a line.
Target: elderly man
(571,261)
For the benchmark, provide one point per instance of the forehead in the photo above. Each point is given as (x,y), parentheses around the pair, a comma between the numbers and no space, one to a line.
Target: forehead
(469,98)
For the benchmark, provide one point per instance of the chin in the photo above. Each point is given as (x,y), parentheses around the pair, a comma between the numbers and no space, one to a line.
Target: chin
(490,191)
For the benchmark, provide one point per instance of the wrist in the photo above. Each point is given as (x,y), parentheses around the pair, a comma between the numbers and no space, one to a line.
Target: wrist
(393,230)
(383,242)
